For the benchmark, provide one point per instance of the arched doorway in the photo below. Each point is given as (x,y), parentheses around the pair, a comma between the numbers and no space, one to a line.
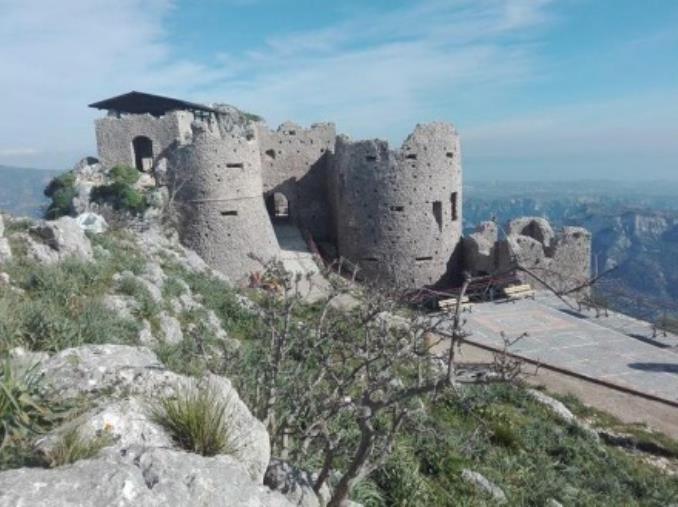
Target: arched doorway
(278,207)
(143,153)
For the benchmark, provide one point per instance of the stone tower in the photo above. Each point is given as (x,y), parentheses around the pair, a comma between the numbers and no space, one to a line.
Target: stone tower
(397,213)
(223,216)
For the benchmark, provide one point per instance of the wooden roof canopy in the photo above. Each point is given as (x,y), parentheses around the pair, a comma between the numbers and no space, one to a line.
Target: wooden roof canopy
(141,103)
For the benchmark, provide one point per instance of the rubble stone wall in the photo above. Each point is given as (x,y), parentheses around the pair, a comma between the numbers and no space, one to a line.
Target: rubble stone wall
(115,135)
(295,163)
(398,213)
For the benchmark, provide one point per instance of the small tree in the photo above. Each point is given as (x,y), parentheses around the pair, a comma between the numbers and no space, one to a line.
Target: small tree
(339,384)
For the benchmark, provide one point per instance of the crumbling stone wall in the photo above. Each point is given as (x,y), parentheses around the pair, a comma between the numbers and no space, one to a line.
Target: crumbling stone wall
(562,259)
(397,214)
(116,133)
(295,163)
(219,199)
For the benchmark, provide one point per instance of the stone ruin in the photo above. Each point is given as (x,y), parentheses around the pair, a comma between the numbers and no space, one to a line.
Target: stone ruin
(561,260)
(394,214)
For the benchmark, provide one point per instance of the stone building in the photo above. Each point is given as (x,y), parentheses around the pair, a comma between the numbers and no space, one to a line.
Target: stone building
(396,214)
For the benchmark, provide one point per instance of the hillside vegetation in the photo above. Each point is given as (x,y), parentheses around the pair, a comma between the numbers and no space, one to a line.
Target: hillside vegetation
(141,289)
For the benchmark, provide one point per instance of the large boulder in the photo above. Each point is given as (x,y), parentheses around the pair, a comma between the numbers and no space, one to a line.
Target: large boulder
(54,240)
(125,372)
(141,475)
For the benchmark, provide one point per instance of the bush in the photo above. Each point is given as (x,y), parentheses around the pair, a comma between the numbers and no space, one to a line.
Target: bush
(124,174)
(72,447)
(62,191)
(121,196)
(198,420)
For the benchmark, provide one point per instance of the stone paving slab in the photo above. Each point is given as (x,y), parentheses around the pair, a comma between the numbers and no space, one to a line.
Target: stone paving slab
(635,328)
(581,345)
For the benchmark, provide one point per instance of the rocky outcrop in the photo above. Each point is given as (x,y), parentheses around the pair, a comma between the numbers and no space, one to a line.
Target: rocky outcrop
(55,240)
(142,465)
(141,475)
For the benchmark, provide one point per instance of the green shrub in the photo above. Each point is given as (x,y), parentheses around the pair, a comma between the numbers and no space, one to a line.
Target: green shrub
(198,420)
(62,191)
(72,446)
(124,174)
(121,196)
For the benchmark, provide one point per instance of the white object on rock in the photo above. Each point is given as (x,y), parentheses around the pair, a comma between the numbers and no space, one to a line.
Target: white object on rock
(92,222)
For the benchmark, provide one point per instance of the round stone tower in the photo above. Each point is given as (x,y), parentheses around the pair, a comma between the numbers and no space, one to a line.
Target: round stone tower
(398,213)
(219,199)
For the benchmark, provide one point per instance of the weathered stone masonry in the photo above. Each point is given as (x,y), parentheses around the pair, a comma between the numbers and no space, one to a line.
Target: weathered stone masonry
(396,214)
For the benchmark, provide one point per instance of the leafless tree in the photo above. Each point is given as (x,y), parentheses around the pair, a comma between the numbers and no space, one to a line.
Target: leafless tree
(339,383)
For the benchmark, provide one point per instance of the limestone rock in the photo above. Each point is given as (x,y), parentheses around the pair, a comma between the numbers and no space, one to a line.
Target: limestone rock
(5,250)
(170,328)
(138,476)
(91,222)
(481,483)
(52,241)
(295,484)
(5,279)
(123,306)
(561,411)
(125,371)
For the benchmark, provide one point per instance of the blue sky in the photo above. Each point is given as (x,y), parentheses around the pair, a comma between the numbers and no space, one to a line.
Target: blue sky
(538,89)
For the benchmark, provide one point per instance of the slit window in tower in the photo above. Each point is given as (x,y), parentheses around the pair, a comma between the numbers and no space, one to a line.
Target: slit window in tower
(438,214)
(453,201)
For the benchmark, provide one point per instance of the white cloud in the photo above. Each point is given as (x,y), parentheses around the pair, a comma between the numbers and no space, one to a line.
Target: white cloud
(373,72)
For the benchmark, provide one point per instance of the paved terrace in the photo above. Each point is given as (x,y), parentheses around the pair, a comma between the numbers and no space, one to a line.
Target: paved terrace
(616,349)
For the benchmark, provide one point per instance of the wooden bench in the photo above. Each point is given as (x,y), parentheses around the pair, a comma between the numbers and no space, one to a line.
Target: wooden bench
(450,304)
(515,292)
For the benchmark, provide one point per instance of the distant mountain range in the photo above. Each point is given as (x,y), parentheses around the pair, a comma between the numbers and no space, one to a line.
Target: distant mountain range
(21,190)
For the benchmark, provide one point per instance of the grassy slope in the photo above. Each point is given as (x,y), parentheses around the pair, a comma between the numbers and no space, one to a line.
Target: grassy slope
(496,430)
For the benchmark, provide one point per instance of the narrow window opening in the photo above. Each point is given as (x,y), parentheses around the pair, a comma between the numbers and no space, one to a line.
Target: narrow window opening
(449,154)
(423,258)
(453,199)
(397,208)
(235,165)
(371,158)
(271,153)
(411,156)
(438,214)
(229,213)
(143,153)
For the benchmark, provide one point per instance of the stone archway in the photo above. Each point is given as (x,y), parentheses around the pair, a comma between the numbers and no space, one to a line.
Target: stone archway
(278,207)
